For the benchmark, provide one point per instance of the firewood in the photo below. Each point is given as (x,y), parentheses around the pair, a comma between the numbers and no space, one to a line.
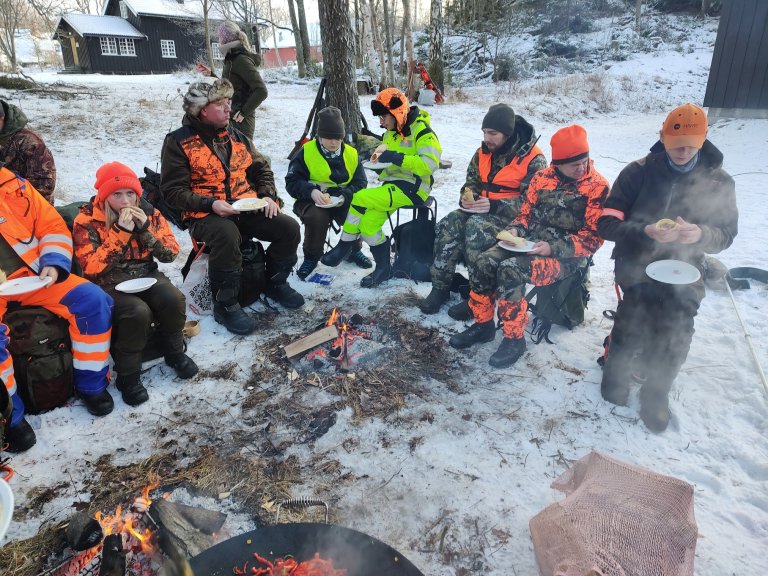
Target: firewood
(112,557)
(185,530)
(308,342)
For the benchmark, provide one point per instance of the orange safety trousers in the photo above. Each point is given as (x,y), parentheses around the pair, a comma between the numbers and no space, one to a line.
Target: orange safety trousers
(88,309)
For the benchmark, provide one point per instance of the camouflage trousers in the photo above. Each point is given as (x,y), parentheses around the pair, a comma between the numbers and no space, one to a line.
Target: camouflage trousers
(501,276)
(462,237)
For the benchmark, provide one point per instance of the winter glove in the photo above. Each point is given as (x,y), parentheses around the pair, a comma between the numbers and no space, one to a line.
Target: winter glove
(392,157)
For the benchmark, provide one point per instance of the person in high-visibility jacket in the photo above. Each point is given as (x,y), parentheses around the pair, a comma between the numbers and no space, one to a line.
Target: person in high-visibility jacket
(322,177)
(411,157)
(35,241)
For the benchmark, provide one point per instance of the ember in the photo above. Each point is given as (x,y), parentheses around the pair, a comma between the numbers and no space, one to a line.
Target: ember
(289,567)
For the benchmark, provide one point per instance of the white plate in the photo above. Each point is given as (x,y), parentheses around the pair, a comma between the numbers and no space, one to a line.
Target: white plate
(525,248)
(376,165)
(335,201)
(6,507)
(23,285)
(247,204)
(470,211)
(673,272)
(136,285)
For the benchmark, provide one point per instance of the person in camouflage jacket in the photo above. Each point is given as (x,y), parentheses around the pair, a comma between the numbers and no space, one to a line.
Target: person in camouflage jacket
(497,177)
(559,217)
(24,152)
(681,180)
(118,236)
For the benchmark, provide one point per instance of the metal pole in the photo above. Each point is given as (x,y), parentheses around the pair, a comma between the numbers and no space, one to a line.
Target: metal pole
(748,337)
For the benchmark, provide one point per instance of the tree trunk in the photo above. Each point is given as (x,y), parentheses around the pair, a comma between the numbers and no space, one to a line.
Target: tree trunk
(297,40)
(358,37)
(338,61)
(206,28)
(376,30)
(638,13)
(305,46)
(408,32)
(388,39)
(436,63)
(373,66)
(274,36)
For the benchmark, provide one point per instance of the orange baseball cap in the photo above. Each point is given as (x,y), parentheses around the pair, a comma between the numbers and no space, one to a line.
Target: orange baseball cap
(686,125)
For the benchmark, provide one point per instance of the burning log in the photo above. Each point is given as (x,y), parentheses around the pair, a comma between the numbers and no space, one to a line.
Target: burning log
(112,556)
(308,342)
(83,532)
(184,531)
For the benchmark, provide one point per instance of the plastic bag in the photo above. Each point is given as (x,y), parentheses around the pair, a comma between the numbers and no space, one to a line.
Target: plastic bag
(196,286)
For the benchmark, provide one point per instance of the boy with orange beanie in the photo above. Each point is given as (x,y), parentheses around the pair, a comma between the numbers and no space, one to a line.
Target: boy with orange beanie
(680,180)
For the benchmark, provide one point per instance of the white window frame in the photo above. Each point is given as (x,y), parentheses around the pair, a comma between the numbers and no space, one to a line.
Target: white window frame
(168,48)
(127,46)
(108,46)
(123,10)
(217,55)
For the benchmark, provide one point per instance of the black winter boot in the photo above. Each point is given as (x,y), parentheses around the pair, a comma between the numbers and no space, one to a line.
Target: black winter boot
(20,438)
(99,404)
(477,333)
(184,365)
(510,350)
(654,408)
(132,389)
(432,303)
(461,311)
(278,288)
(225,286)
(383,270)
(336,254)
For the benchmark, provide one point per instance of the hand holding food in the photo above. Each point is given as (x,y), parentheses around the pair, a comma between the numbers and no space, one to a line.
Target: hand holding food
(125,218)
(509,238)
(666,224)
(467,195)
(138,215)
(378,152)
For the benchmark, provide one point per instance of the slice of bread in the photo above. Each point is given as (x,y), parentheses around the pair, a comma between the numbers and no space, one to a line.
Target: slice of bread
(509,238)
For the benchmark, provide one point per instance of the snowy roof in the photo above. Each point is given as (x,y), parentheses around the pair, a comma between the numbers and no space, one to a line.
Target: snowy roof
(90,25)
(173,8)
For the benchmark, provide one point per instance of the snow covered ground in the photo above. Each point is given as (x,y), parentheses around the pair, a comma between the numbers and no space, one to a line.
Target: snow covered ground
(479,467)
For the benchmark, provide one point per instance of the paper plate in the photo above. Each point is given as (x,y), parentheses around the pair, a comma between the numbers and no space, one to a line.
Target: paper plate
(23,285)
(525,248)
(673,272)
(135,285)
(335,201)
(6,508)
(376,165)
(247,204)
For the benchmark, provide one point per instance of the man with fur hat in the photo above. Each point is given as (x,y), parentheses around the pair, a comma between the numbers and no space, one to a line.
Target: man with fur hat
(497,178)
(241,67)
(24,152)
(409,155)
(322,177)
(558,218)
(206,166)
(676,203)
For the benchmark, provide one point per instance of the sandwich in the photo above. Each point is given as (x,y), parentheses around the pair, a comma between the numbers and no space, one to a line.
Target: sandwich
(378,152)
(666,224)
(509,238)
(327,197)
(467,195)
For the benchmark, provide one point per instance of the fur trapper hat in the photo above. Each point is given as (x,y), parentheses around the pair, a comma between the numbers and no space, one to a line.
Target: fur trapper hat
(391,101)
(202,93)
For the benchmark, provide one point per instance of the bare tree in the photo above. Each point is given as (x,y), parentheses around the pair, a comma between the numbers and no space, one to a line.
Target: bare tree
(367,33)
(304,32)
(48,10)
(12,13)
(297,40)
(88,6)
(274,35)
(408,33)
(388,40)
(436,62)
(338,59)
(638,13)
(377,42)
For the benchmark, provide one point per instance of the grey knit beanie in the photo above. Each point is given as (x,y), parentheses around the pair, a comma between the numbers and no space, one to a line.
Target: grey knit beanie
(501,118)
(201,93)
(330,124)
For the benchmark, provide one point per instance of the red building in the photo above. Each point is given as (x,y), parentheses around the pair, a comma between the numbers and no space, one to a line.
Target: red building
(287,55)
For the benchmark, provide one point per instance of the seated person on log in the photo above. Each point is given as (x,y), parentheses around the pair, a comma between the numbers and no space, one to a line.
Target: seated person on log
(118,236)
(324,170)
(409,155)
(497,178)
(559,215)
(35,242)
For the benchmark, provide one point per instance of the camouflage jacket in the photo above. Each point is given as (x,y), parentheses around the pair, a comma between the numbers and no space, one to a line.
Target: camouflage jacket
(25,153)
(522,142)
(110,256)
(564,212)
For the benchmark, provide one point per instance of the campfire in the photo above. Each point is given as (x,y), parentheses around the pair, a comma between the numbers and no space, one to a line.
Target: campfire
(341,344)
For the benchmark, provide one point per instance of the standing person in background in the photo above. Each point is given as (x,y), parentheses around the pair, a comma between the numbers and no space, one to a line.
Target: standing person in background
(410,154)
(24,152)
(324,169)
(117,237)
(497,178)
(241,68)
(35,242)
(682,182)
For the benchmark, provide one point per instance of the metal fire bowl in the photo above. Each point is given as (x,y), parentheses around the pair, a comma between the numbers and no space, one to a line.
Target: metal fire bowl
(358,553)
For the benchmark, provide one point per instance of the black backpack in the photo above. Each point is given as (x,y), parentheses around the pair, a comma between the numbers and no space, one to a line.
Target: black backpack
(415,246)
(42,357)
(562,303)
(150,185)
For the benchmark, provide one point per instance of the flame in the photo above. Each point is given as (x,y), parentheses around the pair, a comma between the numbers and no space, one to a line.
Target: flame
(126,523)
(334,316)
